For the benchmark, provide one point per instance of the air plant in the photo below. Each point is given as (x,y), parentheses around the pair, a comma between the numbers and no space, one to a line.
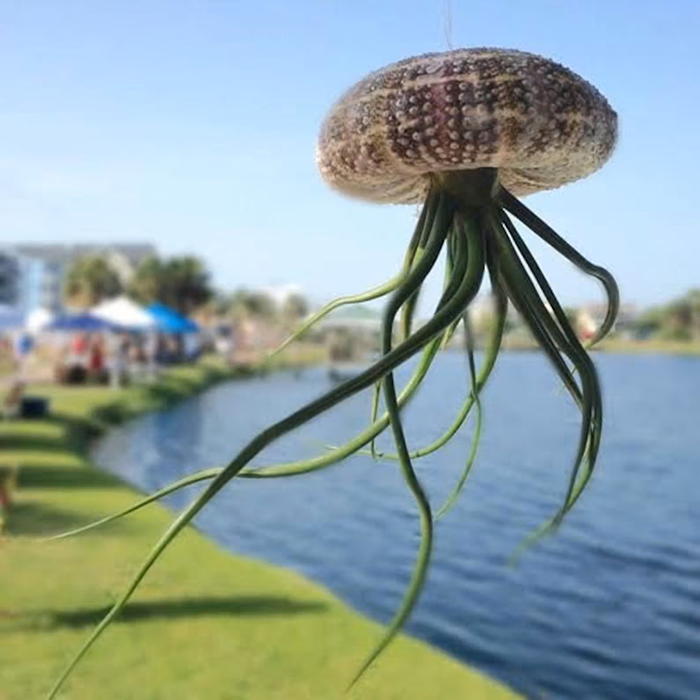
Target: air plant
(462,133)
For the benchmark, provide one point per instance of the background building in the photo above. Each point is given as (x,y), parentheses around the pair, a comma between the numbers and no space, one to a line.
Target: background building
(32,276)
(9,279)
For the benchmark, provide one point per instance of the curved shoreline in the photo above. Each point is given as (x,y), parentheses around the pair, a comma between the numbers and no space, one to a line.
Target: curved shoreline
(206,623)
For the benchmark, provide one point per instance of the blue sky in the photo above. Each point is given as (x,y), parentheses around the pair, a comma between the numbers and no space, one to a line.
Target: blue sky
(193,125)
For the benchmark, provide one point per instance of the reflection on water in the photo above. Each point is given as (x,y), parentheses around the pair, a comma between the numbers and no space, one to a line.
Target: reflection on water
(609,608)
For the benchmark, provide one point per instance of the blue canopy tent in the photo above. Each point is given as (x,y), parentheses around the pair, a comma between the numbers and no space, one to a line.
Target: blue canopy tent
(170,321)
(82,323)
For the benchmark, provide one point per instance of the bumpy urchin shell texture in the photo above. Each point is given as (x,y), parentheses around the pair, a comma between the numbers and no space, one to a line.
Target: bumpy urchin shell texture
(538,123)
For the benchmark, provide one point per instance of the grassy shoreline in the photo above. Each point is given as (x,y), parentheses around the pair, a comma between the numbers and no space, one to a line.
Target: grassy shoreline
(620,347)
(205,623)
(650,347)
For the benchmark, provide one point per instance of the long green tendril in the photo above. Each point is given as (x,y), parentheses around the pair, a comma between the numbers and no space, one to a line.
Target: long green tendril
(563,340)
(455,268)
(204,475)
(297,468)
(536,315)
(491,355)
(333,456)
(424,223)
(454,495)
(432,329)
(408,310)
(416,249)
(450,272)
(550,236)
(583,363)
(464,214)
(468,287)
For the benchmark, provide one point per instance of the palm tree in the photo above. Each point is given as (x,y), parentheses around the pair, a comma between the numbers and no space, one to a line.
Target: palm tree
(185,284)
(145,285)
(181,282)
(295,307)
(89,281)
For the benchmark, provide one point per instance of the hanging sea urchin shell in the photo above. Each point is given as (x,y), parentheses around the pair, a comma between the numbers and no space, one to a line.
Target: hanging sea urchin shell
(538,123)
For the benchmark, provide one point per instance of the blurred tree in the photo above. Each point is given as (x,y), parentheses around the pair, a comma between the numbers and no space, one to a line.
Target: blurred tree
(145,285)
(295,307)
(571,313)
(678,320)
(219,304)
(244,303)
(180,282)
(185,284)
(649,323)
(693,297)
(89,281)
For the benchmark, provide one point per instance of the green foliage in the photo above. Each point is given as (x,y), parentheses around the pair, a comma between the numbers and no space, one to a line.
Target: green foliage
(183,283)
(295,307)
(677,320)
(250,304)
(571,313)
(650,322)
(145,285)
(186,284)
(89,281)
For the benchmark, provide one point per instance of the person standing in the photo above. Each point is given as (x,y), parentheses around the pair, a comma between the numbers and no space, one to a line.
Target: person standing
(96,359)
(151,349)
(24,343)
(119,357)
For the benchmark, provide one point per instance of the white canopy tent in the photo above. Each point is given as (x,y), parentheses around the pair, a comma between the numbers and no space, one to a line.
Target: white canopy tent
(122,311)
(39,319)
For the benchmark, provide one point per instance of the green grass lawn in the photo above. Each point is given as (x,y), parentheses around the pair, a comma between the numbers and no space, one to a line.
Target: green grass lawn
(623,346)
(204,623)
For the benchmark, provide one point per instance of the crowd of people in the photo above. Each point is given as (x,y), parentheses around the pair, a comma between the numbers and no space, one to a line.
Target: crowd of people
(117,358)
(114,358)
(98,357)
(94,357)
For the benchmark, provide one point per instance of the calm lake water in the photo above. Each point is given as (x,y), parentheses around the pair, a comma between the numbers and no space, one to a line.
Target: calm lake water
(608,609)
